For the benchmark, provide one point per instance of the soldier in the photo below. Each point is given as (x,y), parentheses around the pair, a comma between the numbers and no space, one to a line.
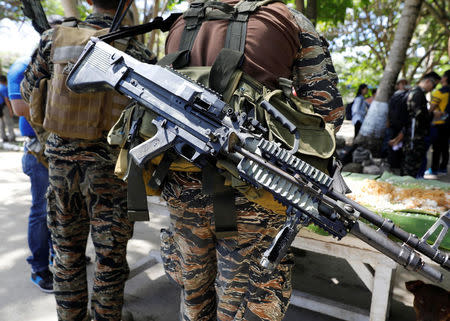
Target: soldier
(417,129)
(220,275)
(84,194)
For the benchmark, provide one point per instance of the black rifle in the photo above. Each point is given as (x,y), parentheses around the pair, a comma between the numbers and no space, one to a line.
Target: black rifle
(33,10)
(198,125)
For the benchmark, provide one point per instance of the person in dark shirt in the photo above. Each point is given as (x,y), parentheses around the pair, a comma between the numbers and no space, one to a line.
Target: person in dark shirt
(418,126)
(440,106)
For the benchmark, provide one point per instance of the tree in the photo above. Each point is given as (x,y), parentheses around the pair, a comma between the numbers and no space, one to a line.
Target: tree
(364,41)
(374,123)
(70,8)
(325,11)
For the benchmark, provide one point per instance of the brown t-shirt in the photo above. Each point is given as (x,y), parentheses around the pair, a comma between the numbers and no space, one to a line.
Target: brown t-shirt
(271,46)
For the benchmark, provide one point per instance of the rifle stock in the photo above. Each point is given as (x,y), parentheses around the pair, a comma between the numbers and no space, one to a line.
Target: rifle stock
(200,127)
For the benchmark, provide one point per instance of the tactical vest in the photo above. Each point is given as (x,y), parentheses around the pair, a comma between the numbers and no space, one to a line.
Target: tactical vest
(71,115)
(243,93)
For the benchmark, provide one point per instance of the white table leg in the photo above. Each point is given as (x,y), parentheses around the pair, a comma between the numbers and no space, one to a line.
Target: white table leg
(381,293)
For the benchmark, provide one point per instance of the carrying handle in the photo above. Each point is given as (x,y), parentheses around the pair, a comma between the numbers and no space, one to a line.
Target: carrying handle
(278,116)
(285,122)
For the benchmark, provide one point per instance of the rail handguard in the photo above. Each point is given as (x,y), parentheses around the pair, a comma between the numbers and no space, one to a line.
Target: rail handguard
(198,125)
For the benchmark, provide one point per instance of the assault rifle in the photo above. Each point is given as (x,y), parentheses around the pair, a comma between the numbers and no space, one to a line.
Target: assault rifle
(198,125)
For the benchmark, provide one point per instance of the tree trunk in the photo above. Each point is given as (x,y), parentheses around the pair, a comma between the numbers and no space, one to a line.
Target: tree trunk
(373,127)
(70,8)
(311,11)
(300,5)
(155,12)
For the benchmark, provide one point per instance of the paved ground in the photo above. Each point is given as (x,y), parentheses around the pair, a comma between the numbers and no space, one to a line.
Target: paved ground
(150,295)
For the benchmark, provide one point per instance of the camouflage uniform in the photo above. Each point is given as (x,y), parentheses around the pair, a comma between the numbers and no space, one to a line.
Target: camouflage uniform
(413,155)
(221,278)
(84,195)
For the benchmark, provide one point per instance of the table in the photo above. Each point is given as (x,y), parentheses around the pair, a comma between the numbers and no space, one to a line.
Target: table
(373,268)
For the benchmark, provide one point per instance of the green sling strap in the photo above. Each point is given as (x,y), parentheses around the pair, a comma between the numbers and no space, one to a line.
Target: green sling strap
(137,207)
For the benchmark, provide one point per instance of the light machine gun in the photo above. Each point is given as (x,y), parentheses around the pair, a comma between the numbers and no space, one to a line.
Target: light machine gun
(195,122)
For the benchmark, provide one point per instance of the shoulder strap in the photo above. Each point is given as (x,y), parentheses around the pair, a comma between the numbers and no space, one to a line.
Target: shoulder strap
(193,18)
(157,23)
(237,28)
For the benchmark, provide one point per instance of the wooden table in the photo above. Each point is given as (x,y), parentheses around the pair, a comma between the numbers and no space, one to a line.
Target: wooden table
(377,278)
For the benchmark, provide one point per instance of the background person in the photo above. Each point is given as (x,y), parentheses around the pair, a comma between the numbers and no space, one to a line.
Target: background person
(415,144)
(359,107)
(6,118)
(39,241)
(84,195)
(441,126)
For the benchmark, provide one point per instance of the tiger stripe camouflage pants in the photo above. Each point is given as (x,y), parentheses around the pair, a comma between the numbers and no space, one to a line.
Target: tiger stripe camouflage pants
(86,196)
(221,279)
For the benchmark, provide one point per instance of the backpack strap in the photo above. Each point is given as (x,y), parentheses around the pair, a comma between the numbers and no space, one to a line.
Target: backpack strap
(237,28)
(193,18)
(223,198)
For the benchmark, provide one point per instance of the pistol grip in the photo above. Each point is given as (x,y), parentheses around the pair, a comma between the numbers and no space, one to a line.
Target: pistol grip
(162,141)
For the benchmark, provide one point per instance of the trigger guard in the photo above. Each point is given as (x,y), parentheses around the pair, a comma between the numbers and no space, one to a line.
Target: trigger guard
(184,150)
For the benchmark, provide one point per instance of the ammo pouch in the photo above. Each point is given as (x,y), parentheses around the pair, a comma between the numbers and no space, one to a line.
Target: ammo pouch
(38,100)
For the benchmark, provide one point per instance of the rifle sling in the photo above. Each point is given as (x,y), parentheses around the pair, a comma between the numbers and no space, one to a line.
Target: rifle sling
(161,170)
(156,23)
(137,208)
(136,195)
(223,201)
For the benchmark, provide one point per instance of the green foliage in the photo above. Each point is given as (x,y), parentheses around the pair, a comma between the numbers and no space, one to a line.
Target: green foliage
(84,10)
(52,7)
(329,12)
(362,44)
(10,9)
(333,11)
(172,3)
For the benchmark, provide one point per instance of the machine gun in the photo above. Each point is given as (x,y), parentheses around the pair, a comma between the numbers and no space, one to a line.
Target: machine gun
(198,125)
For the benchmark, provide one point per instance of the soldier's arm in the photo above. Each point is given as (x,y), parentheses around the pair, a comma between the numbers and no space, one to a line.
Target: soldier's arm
(39,67)
(315,78)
